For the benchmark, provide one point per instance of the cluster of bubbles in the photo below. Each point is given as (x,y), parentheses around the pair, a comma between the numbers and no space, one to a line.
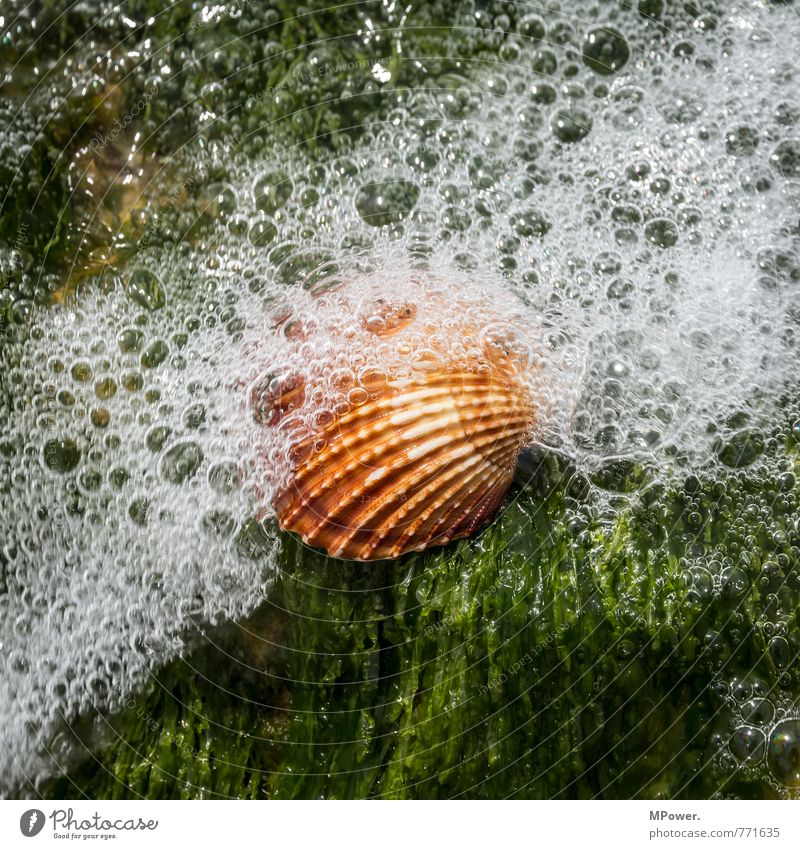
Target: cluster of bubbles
(764,731)
(746,569)
(323,352)
(626,223)
(650,234)
(124,513)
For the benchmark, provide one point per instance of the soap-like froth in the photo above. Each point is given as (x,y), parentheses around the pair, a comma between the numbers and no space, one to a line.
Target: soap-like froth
(636,237)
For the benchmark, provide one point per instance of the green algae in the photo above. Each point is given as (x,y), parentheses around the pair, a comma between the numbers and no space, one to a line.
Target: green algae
(553,657)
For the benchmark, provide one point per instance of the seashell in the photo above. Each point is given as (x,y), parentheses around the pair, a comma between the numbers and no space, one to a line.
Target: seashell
(273,397)
(420,461)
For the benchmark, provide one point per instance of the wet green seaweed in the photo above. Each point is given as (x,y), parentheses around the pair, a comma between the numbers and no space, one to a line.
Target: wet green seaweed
(553,657)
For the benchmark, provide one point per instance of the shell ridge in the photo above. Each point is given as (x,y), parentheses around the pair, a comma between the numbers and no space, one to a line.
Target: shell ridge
(452,493)
(424,460)
(311,501)
(501,473)
(390,496)
(419,500)
(427,527)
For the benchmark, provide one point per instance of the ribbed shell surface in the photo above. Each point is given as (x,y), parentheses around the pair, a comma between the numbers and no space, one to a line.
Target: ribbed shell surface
(422,462)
